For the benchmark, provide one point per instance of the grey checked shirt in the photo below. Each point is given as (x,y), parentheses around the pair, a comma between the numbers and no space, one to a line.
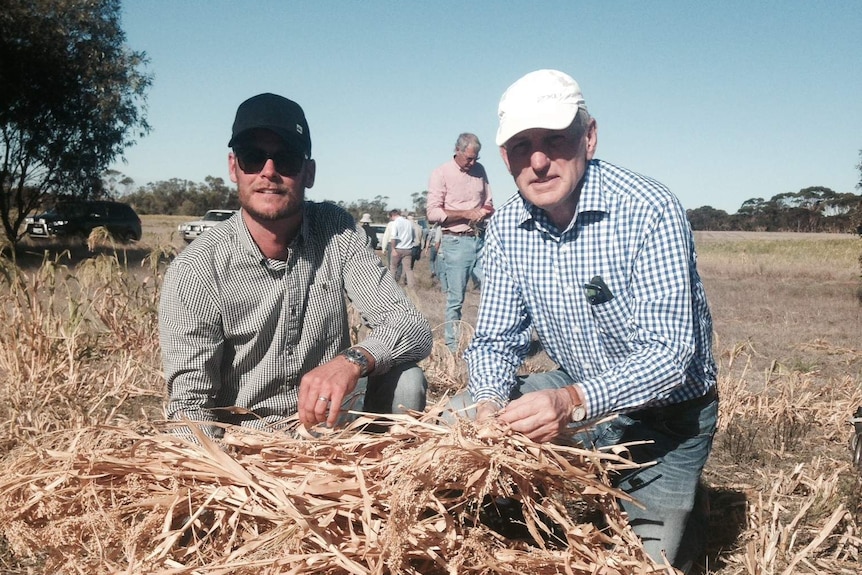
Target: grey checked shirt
(238,329)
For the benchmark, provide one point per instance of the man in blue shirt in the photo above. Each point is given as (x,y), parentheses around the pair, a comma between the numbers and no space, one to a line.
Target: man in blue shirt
(600,263)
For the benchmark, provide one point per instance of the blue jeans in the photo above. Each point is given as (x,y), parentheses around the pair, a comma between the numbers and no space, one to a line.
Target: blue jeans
(461,258)
(681,437)
(402,387)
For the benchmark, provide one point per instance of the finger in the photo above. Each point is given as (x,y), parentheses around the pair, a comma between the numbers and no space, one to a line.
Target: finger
(334,409)
(321,407)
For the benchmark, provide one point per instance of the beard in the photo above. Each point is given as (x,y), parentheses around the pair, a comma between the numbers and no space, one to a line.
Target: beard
(285,204)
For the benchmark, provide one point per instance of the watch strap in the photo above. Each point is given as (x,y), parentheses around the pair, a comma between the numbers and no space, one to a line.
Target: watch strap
(579,412)
(354,355)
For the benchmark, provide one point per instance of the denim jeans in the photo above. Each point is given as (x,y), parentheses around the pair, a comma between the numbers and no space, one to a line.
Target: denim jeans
(402,387)
(681,437)
(461,258)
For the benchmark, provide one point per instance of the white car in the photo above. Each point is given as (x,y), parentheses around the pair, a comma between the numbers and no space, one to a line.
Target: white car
(191,230)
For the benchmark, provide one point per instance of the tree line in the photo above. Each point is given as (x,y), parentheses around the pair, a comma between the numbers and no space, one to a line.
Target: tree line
(187,198)
(814,209)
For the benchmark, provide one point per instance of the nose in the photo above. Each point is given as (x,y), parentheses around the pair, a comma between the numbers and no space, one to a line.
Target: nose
(539,161)
(268,169)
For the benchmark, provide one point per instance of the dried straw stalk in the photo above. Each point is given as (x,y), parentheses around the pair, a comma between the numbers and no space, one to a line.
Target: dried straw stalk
(418,498)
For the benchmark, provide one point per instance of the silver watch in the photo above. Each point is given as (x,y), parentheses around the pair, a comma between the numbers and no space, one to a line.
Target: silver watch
(353,355)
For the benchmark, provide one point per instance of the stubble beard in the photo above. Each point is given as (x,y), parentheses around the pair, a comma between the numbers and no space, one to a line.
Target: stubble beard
(286,211)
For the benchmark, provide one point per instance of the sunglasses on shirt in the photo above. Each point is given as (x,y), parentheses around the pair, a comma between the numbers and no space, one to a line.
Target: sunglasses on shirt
(252,161)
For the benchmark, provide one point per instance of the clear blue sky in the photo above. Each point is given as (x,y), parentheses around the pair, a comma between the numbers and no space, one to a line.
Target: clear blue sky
(721,101)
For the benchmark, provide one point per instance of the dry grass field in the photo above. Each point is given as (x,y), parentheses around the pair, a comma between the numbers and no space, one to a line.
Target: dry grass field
(80,377)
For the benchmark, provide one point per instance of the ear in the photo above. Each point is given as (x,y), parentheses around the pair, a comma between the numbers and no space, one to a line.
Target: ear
(505,155)
(592,139)
(308,173)
(232,166)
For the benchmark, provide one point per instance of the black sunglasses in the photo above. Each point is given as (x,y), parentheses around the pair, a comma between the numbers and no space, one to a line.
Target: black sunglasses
(252,161)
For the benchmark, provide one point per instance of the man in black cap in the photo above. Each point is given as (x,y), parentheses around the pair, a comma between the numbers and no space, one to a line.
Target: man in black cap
(253,316)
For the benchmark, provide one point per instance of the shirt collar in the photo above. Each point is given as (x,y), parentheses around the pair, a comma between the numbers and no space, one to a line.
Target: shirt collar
(249,244)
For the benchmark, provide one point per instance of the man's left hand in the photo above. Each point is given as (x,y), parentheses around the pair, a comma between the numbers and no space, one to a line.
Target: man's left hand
(540,415)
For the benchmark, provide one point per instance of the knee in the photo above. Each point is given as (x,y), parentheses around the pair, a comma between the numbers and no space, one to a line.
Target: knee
(459,406)
(411,389)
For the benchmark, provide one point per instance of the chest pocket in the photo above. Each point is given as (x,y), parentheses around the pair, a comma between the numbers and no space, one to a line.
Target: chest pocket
(614,325)
(325,312)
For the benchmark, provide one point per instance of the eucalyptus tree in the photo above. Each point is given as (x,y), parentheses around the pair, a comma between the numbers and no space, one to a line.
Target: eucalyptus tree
(72,100)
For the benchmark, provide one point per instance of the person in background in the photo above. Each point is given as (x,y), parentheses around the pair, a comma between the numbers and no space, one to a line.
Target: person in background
(600,262)
(387,244)
(253,318)
(365,221)
(435,236)
(401,243)
(418,241)
(459,199)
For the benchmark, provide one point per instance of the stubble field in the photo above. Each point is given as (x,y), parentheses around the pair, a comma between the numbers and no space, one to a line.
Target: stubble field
(80,350)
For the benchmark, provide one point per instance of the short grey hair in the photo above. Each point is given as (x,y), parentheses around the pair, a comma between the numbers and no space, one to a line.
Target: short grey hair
(467,140)
(580,123)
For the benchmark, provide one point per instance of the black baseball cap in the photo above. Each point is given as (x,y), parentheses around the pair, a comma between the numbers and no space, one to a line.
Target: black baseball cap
(277,114)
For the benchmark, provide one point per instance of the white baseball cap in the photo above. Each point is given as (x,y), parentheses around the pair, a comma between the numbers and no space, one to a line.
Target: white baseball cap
(542,99)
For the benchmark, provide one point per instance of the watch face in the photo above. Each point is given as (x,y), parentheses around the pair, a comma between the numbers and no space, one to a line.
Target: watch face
(579,413)
(357,357)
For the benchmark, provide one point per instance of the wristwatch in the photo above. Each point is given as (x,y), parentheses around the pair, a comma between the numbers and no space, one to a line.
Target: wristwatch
(579,412)
(354,355)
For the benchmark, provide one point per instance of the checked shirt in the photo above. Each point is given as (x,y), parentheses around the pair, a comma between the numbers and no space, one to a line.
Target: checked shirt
(650,345)
(238,329)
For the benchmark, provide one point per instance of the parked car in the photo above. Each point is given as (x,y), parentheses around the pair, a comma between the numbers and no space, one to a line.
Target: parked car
(192,230)
(79,218)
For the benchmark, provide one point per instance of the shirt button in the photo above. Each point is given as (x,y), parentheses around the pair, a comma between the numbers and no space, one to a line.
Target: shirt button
(570,289)
(587,366)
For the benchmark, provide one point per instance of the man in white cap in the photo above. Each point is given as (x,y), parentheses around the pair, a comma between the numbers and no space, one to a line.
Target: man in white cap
(600,262)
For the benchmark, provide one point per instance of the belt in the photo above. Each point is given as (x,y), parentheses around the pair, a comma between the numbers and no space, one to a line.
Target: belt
(467,233)
(665,410)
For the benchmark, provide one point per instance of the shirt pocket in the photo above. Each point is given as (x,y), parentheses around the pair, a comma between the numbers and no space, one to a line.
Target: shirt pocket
(324,314)
(615,325)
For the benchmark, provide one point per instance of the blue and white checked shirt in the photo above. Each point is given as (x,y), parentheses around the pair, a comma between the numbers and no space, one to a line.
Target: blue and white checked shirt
(650,345)
(238,329)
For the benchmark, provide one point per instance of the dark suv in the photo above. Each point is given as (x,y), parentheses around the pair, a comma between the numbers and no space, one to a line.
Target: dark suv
(80,217)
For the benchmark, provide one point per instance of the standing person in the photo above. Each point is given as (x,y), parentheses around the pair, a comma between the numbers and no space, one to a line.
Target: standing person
(365,221)
(387,244)
(600,261)
(459,199)
(435,236)
(402,247)
(418,241)
(253,314)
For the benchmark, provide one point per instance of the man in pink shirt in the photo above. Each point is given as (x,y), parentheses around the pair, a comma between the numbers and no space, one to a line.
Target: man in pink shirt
(459,199)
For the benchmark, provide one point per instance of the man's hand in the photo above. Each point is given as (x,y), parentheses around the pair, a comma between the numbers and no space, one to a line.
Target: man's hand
(323,389)
(486,409)
(540,415)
